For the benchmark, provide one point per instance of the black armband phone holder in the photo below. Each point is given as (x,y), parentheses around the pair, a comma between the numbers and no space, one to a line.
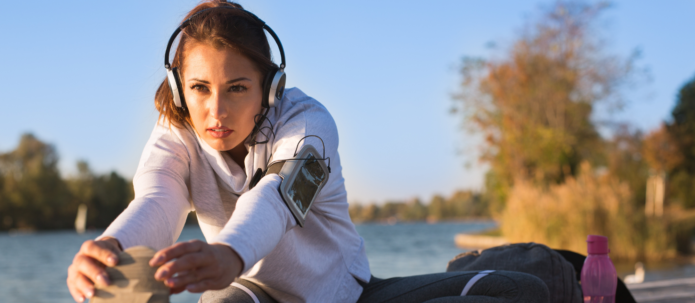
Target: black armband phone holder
(303,177)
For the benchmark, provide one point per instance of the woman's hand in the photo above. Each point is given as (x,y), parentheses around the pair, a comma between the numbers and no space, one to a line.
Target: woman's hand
(196,266)
(88,267)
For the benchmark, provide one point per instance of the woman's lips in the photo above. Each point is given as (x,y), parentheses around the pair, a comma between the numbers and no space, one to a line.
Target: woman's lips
(219,132)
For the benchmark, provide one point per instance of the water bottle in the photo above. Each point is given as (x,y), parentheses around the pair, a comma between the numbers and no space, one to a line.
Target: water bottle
(599,279)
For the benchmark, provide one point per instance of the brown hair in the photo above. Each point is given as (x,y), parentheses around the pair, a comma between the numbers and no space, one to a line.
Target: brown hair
(234,29)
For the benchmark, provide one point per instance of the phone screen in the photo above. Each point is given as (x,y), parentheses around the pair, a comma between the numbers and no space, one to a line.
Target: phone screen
(306,184)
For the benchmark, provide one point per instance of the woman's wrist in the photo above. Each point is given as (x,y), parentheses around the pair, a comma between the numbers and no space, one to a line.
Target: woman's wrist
(230,255)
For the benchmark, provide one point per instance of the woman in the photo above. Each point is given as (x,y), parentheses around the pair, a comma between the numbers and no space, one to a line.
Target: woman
(217,129)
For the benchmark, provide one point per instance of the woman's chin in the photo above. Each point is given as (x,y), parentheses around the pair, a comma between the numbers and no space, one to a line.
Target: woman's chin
(222,144)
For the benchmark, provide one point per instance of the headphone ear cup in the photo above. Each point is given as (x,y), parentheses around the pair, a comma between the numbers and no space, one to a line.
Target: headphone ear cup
(280,87)
(267,84)
(175,86)
(276,89)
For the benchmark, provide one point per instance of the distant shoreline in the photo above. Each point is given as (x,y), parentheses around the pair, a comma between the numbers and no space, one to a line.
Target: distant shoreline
(396,221)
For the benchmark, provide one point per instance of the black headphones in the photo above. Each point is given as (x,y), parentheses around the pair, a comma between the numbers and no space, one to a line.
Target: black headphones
(273,86)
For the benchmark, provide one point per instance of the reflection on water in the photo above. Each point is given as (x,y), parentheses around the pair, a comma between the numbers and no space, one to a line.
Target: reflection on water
(413,249)
(656,271)
(33,267)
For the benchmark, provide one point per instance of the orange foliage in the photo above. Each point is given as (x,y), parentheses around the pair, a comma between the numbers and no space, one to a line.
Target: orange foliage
(661,151)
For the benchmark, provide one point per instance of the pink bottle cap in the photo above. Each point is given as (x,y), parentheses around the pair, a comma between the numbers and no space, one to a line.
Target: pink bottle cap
(597,244)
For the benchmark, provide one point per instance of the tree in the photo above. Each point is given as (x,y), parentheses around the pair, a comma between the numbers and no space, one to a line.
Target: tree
(370,213)
(34,196)
(533,106)
(32,193)
(625,161)
(105,196)
(682,130)
(467,204)
(414,210)
(436,208)
(661,150)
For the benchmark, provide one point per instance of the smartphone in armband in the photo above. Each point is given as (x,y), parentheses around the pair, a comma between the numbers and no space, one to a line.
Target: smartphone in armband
(303,177)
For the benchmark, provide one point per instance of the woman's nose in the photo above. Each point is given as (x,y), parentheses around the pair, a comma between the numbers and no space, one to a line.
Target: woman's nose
(217,108)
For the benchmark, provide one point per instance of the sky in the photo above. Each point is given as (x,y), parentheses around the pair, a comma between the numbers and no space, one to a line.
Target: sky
(82,75)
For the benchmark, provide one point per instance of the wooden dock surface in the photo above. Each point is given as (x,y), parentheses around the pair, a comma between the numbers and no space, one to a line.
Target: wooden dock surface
(672,291)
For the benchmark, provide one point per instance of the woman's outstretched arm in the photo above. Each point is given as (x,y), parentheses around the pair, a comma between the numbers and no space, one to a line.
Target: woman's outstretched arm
(257,225)
(154,218)
(158,212)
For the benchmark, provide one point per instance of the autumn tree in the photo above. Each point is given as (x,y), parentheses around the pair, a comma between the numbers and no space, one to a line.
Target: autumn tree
(533,105)
(661,150)
(682,134)
(624,159)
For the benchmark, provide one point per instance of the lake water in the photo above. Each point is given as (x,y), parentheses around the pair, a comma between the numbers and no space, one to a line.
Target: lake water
(33,266)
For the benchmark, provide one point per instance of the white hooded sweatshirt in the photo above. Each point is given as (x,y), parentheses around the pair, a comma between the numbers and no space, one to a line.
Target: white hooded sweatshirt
(179,173)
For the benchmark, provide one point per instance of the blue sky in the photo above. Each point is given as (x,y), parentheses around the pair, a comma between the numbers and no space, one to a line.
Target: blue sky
(82,75)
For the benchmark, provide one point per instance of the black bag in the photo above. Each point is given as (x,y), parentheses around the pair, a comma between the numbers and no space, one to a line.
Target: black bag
(559,269)
(531,258)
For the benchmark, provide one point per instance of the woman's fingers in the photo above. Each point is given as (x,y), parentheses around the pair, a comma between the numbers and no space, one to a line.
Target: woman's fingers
(92,269)
(76,295)
(196,266)
(177,289)
(183,265)
(87,267)
(200,280)
(202,286)
(79,285)
(176,251)
(85,286)
(192,276)
(101,251)
(181,280)
(72,285)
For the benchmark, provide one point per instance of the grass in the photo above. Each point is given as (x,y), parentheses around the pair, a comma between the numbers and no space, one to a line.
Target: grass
(561,216)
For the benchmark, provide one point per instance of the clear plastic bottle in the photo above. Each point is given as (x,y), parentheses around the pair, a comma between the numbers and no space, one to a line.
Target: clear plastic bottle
(599,279)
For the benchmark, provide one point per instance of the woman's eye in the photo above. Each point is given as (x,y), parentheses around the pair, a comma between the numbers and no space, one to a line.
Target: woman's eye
(199,87)
(237,88)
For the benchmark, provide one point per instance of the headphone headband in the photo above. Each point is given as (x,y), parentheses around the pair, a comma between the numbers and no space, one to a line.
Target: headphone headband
(187,22)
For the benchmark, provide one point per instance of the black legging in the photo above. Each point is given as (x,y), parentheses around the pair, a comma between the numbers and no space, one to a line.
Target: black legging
(498,287)
(495,287)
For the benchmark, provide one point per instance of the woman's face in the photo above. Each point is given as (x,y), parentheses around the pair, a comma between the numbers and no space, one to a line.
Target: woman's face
(223,92)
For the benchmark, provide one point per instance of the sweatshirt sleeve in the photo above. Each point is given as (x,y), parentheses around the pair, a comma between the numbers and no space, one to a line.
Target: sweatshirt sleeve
(258,222)
(261,217)
(158,212)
